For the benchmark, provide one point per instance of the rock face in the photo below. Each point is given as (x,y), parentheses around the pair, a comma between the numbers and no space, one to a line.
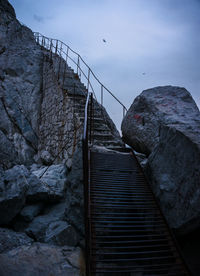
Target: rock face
(40,259)
(75,202)
(164,123)
(12,194)
(10,239)
(21,82)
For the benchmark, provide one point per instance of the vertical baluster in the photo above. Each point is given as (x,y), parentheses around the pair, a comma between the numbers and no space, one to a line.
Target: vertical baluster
(80,69)
(67,54)
(88,84)
(60,59)
(91,117)
(78,61)
(50,50)
(49,44)
(64,71)
(101,94)
(56,47)
(61,48)
(124,111)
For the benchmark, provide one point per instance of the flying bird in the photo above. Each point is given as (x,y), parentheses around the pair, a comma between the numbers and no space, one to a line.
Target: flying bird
(104,40)
(143,73)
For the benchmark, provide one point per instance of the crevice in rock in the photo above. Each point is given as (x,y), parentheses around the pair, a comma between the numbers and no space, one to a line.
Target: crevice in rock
(16,125)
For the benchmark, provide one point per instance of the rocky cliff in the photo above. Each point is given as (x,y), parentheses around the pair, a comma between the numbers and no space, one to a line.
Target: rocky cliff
(20,90)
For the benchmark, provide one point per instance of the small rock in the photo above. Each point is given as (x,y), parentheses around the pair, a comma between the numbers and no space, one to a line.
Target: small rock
(30,211)
(46,157)
(61,233)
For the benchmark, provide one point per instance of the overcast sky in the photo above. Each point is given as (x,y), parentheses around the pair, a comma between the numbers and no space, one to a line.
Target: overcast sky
(148,42)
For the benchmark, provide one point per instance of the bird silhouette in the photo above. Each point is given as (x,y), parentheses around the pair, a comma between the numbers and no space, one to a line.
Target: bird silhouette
(104,40)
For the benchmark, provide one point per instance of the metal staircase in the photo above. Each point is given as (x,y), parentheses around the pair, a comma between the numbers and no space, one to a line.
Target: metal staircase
(126,233)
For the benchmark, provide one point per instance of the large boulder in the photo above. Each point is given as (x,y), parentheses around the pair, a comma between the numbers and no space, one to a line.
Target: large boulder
(40,259)
(164,123)
(38,227)
(51,227)
(153,108)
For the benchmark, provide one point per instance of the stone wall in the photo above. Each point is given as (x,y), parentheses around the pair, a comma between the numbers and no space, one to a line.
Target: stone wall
(60,128)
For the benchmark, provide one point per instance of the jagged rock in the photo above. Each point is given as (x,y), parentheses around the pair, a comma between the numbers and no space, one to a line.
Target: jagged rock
(6,8)
(74,194)
(18,185)
(13,189)
(61,233)
(30,211)
(10,239)
(47,184)
(41,260)
(165,123)
(38,227)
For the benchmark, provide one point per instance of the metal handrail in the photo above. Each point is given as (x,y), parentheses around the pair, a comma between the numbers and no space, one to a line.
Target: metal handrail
(86,180)
(56,46)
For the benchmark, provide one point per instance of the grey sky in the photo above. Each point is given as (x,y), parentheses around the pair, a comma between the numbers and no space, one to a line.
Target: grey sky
(157,37)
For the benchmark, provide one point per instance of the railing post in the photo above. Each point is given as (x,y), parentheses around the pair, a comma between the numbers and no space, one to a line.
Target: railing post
(50,50)
(48,44)
(102,95)
(88,84)
(91,117)
(78,61)
(56,47)
(124,112)
(43,41)
(61,47)
(67,53)
(60,59)
(64,70)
